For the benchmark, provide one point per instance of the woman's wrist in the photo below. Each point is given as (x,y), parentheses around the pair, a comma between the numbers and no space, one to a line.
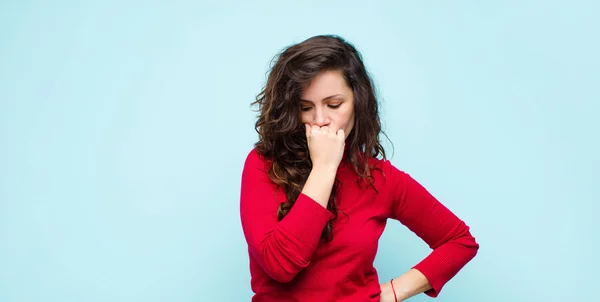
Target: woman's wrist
(388,293)
(319,183)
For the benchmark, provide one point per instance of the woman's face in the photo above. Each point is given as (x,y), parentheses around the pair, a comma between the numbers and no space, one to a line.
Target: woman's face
(328,101)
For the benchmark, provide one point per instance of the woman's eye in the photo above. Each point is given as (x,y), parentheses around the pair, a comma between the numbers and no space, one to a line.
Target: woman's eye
(305,108)
(335,106)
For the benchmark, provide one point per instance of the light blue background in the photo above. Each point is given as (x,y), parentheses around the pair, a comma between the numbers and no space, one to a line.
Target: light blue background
(124,128)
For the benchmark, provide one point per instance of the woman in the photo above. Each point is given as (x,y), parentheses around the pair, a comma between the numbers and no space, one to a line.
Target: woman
(317,188)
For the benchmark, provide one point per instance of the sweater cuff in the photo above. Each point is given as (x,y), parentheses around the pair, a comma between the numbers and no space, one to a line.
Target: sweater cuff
(434,272)
(306,221)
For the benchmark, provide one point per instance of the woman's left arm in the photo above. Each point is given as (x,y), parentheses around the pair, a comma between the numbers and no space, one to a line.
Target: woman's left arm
(448,236)
(410,284)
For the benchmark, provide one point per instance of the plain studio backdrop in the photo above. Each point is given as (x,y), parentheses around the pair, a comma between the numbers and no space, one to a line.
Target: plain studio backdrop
(124,127)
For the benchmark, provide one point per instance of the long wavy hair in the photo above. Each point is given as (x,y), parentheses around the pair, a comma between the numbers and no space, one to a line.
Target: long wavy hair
(282,137)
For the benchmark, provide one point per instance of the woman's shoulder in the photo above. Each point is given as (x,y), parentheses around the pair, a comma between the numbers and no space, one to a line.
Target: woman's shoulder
(255,159)
(387,169)
(380,163)
(252,154)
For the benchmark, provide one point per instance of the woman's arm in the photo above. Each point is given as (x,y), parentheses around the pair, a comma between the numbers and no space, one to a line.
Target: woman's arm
(282,248)
(408,285)
(448,236)
(319,183)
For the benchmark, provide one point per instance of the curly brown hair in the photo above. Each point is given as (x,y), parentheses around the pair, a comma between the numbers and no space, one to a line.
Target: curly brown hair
(282,136)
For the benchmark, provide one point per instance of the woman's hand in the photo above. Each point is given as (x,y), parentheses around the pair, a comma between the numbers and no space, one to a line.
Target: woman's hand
(326,146)
(326,150)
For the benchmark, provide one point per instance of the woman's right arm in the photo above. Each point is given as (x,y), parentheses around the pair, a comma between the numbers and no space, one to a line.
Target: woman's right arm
(283,248)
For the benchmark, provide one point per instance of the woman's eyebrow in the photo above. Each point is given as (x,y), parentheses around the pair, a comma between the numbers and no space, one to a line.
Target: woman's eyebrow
(335,96)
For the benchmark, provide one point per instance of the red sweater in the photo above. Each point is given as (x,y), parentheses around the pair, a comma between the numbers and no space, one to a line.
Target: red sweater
(289,262)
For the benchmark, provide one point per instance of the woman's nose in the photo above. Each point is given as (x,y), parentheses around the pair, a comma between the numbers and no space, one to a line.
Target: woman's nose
(321,119)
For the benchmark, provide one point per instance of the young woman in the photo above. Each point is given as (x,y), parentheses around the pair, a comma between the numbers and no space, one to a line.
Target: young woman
(317,189)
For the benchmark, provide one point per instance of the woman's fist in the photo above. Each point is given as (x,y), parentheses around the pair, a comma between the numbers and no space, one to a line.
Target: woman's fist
(326,146)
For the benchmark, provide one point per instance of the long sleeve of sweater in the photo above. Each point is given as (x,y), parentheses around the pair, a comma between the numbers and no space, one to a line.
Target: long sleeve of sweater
(448,236)
(282,248)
